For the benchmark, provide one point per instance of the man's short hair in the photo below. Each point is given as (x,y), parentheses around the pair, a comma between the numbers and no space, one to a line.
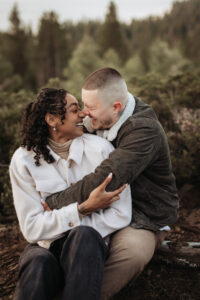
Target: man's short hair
(109,83)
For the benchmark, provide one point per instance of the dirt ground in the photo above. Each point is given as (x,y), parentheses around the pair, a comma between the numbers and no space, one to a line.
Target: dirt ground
(160,280)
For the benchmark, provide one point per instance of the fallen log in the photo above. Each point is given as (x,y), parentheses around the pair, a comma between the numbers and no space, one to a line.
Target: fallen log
(185,254)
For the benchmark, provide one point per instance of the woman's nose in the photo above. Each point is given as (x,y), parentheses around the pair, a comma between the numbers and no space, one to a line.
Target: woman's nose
(81,114)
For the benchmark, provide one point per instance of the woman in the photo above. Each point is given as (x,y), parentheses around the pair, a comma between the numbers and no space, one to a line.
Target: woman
(67,249)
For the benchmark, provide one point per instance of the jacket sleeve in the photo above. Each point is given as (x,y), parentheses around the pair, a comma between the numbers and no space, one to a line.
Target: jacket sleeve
(117,216)
(136,148)
(35,223)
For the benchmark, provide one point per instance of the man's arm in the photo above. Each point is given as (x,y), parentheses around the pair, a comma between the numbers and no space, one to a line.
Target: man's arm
(135,151)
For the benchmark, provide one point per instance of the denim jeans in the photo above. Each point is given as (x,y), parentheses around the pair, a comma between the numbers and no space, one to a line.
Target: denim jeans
(74,264)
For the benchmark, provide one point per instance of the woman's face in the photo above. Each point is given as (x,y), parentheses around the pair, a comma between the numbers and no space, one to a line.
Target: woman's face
(72,126)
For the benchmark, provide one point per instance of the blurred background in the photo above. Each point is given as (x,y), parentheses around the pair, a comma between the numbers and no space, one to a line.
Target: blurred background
(154,44)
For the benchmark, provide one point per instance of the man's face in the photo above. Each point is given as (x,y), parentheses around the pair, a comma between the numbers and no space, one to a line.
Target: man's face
(101,114)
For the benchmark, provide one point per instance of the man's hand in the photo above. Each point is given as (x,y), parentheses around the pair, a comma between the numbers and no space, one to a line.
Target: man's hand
(99,198)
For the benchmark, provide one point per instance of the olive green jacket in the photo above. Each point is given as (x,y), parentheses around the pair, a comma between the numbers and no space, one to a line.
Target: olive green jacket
(142,159)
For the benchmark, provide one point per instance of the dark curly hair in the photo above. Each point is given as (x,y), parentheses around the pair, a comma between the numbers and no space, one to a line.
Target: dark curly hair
(35,131)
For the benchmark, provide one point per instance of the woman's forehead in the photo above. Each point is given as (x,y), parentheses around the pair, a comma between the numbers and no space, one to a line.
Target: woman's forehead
(71,99)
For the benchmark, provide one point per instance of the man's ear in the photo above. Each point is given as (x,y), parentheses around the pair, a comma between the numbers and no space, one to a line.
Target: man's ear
(51,120)
(117,106)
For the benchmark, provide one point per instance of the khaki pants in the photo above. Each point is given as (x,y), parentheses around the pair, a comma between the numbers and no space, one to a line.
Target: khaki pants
(130,250)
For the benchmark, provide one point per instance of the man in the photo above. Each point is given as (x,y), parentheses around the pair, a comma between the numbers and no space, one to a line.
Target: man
(141,159)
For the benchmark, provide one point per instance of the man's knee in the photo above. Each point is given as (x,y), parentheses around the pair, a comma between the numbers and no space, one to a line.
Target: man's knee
(133,247)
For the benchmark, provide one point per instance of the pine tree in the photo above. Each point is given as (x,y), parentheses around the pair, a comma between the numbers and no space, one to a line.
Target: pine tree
(111,35)
(15,44)
(52,50)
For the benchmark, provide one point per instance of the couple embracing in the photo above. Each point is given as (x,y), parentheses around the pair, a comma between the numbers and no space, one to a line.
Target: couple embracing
(93,190)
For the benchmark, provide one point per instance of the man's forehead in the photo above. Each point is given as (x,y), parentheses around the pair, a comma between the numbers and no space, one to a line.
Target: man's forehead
(90,96)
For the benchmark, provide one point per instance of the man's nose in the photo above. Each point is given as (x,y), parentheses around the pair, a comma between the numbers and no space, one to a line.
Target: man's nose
(85,110)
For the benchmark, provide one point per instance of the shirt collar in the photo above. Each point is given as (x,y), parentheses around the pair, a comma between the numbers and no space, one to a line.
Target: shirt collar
(55,156)
(75,152)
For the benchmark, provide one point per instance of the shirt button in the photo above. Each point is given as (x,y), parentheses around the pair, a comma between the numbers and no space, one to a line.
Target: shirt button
(71,224)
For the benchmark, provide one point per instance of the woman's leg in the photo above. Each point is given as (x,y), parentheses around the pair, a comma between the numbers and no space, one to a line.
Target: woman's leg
(82,259)
(40,276)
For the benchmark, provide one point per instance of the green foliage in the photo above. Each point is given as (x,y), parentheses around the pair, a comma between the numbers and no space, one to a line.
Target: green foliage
(184,89)
(185,146)
(165,60)
(183,21)
(11,106)
(111,59)
(12,84)
(6,68)
(55,83)
(84,60)
(6,207)
(151,89)
(133,68)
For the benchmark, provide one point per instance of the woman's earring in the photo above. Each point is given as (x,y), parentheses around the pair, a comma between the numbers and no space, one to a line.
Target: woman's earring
(54,128)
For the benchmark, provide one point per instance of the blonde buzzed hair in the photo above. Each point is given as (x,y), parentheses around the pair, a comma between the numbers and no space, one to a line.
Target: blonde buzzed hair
(110,85)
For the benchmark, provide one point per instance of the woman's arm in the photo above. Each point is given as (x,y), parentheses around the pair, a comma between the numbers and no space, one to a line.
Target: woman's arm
(35,223)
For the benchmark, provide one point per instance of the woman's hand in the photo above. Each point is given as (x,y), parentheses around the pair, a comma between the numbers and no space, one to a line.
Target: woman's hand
(99,198)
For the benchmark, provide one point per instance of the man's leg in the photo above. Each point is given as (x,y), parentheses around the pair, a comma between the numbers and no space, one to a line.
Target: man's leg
(130,250)
(40,276)
(82,258)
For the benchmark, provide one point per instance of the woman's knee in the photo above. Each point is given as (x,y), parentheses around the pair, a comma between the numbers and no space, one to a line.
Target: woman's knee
(86,238)
(37,258)
(85,234)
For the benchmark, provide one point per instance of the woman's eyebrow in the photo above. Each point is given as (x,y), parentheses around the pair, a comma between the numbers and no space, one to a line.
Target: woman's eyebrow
(72,104)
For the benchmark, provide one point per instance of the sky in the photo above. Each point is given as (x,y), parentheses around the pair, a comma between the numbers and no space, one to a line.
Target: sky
(75,10)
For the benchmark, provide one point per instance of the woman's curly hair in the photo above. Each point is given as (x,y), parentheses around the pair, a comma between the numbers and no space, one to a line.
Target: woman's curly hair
(35,131)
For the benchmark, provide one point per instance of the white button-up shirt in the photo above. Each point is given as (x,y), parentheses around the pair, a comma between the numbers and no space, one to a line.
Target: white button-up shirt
(30,184)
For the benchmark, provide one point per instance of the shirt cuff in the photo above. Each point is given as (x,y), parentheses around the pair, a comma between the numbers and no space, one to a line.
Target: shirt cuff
(70,216)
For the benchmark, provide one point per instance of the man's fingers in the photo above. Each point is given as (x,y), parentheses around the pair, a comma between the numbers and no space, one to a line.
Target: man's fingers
(106,182)
(45,206)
